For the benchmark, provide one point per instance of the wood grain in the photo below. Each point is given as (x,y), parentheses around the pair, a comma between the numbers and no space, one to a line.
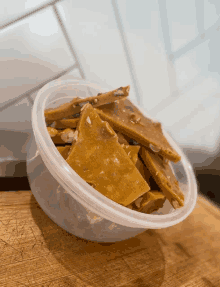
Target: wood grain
(34,251)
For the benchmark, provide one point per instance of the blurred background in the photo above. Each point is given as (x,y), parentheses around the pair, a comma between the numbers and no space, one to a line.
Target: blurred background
(167,50)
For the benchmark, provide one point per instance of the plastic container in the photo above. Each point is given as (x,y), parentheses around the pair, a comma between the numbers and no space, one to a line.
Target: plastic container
(72,203)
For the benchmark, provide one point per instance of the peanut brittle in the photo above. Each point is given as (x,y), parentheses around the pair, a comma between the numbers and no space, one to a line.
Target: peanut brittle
(77,104)
(164,177)
(132,152)
(143,171)
(149,202)
(121,139)
(60,112)
(65,123)
(64,151)
(152,200)
(62,137)
(124,117)
(105,133)
(101,161)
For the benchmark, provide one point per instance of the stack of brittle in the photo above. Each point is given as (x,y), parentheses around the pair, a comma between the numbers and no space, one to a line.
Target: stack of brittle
(117,150)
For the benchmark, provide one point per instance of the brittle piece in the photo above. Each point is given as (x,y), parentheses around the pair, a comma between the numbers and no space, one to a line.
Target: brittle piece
(121,139)
(66,123)
(64,150)
(143,170)
(76,105)
(132,152)
(101,161)
(150,202)
(124,117)
(60,112)
(164,177)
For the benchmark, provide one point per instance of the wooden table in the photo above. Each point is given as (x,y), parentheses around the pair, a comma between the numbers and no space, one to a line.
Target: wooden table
(36,252)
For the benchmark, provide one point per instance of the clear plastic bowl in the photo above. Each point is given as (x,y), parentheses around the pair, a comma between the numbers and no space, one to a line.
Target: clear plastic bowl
(72,203)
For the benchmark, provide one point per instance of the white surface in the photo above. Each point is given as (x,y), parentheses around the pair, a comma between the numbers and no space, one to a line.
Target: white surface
(195,62)
(31,51)
(17,117)
(182,22)
(193,119)
(211,12)
(11,9)
(15,137)
(94,34)
(75,73)
(143,31)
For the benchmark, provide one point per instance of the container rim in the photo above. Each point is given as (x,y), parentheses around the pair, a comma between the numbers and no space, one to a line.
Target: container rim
(82,191)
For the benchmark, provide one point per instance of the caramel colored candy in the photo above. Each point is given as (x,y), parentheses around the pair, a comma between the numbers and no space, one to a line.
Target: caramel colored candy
(146,203)
(132,152)
(64,151)
(52,132)
(101,161)
(124,117)
(143,170)
(65,123)
(121,139)
(164,177)
(76,105)
(150,202)
(60,112)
